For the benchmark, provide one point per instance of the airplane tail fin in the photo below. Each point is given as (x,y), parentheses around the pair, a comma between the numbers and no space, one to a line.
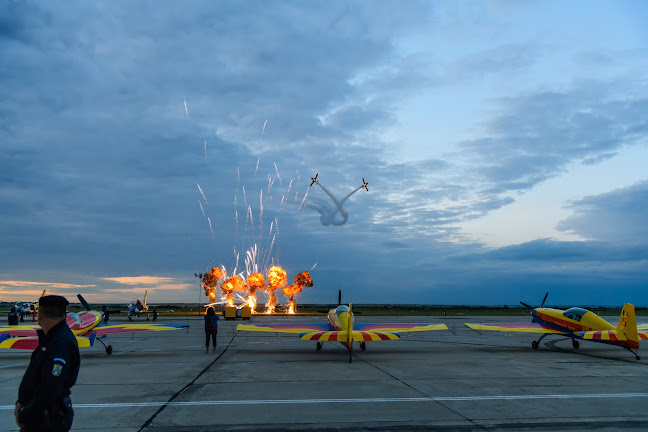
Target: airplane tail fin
(44,291)
(628,325)
(83,302)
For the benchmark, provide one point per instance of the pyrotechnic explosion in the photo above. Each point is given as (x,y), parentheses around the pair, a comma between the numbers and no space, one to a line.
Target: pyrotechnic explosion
(301,280)
(235,283)
(210,280)
(276,278)
(255,281)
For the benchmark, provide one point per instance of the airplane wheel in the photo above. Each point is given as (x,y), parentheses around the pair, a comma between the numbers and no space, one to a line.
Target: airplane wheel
(638,358)
(109,349)
(319,346)
(363,346)
(534,345)
(575,344)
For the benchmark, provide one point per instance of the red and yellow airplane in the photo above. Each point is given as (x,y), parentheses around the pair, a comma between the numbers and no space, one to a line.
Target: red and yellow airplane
(577,323)
(85,326)
(342,328)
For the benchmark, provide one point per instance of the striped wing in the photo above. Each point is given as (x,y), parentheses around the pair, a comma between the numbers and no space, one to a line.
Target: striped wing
(20,330)
(284,328)
(511,327)
(642,326)
(136,328)
(399,328)
(342,336)
(29,343)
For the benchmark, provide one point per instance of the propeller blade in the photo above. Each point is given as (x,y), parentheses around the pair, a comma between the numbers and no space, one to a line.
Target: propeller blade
(543,300)
(526,305)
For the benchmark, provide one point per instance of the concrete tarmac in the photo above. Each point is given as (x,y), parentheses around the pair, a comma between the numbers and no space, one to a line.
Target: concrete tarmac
(454,380)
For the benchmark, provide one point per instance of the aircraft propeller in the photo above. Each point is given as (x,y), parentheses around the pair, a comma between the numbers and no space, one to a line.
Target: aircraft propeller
(531,307)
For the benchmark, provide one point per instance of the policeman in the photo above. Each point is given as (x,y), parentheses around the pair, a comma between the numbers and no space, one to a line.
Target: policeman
(44,395)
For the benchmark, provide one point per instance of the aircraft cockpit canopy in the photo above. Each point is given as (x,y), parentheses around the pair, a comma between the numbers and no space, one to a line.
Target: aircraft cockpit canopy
(75,317)
(575,313)
(341,308)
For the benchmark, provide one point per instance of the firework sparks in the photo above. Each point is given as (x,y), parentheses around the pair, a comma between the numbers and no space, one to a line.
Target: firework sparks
(186,110)
(202,193)
(201,208)
(264,125)
(205,149)
(235,283)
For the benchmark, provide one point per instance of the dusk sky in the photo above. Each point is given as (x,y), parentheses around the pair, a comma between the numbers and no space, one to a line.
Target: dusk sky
(505,144)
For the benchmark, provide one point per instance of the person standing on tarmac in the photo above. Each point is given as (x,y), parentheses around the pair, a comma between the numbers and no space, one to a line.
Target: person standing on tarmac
(44,394)
(211,328)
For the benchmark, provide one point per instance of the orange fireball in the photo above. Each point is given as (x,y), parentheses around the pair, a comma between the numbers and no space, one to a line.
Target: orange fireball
(235,283)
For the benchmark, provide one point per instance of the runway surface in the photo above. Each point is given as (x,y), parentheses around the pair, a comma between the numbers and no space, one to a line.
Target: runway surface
(454,380)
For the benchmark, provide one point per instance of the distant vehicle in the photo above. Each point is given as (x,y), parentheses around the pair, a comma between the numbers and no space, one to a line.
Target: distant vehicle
(313,180)
(365,184)
(577,323)
(342,328)
(85,325)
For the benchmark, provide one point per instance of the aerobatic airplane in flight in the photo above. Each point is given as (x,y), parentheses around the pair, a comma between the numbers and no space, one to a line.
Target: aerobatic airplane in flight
(365,184)
(85,325)
(342,328)
(577,323)
(313,180)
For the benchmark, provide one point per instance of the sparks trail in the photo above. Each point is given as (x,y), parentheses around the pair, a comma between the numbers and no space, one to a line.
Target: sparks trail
(202,193)
(264,125)
(186,110)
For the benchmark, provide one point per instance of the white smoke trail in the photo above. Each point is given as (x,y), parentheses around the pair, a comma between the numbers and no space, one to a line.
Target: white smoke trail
(257,166)
(264,125)
(205,149)
(201,208)
(186,110)
(278,176)
(314,265)
(211,228)
(202,193)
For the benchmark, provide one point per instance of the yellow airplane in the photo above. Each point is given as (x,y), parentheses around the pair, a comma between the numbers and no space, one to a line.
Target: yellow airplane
(342,328)
(577,323)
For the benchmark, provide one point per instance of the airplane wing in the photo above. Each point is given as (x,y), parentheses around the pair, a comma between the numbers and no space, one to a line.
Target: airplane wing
(284,328)
(20,330)
(642,326)
(399,327)
(31,342)
(342,336)
(514,327)
(136,328)
(610,335)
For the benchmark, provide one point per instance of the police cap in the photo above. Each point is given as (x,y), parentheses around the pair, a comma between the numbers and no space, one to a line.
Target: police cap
(53,301)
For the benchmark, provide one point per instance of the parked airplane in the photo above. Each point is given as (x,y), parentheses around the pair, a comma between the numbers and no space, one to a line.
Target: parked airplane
(85,325)
(136,308)
(577,323)
(342,328)
(27,308)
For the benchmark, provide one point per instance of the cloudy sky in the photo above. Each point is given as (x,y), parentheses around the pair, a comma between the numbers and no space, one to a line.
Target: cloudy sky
(505,145)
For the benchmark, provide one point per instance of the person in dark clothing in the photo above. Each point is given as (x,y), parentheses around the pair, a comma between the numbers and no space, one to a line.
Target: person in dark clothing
(154,314)
(13,316)
(211,328)
(44,394)
(106,312)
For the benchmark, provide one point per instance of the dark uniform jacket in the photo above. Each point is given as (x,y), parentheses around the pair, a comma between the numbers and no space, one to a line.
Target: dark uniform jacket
(45,389)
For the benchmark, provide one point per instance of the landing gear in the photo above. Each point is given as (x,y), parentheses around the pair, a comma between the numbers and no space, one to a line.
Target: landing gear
(637,357)
(319,346)
(109,349)
(350,356)
(575,343)
(363,346)
(534,344)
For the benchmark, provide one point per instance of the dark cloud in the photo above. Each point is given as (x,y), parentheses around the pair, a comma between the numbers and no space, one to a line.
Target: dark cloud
(618,216)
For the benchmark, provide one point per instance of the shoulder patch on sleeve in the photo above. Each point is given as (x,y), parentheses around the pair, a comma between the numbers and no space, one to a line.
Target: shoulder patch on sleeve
(57,368)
